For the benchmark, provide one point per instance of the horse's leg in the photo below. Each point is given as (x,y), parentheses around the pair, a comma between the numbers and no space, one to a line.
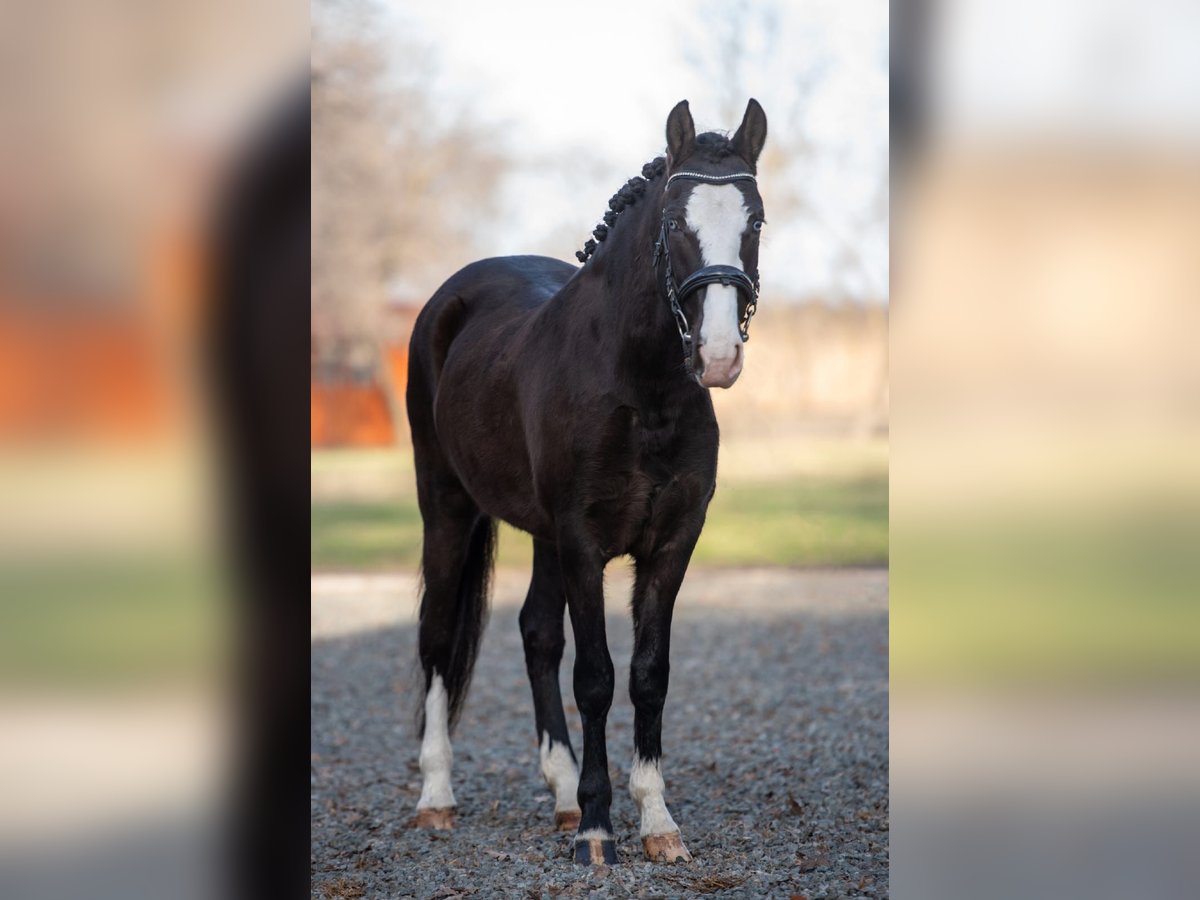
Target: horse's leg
(454,531)
(658,579)
(583,580)
(542,632)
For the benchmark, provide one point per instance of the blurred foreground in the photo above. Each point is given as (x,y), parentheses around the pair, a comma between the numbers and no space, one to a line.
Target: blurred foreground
(1045,450)
(129,586)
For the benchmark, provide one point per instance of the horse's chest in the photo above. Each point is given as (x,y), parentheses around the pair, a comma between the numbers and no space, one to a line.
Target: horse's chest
(644,464)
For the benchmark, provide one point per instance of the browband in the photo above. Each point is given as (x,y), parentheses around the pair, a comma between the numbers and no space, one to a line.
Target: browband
(713,179)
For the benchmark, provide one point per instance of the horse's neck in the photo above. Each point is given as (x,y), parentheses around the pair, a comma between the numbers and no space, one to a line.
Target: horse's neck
(628,301)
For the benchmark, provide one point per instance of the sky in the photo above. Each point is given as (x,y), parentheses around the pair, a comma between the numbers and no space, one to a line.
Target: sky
(581,92)
(1097,69)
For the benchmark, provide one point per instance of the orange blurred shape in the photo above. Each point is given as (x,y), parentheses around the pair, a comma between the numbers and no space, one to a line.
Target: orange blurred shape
(359,415)
(350,415)
(82,378)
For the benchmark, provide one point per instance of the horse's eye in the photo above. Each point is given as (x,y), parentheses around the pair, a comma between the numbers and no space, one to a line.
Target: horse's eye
(672,224)
(758,224)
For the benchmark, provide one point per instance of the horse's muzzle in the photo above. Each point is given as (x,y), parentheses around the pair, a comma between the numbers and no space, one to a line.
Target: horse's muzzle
(720,368)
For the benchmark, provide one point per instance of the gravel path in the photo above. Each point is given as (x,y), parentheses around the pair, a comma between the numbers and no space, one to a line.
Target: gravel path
(775,743)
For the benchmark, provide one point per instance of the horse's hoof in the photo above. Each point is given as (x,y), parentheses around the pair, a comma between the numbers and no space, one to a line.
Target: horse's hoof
(667,848)
(441,819)
(595,851)
(566,819)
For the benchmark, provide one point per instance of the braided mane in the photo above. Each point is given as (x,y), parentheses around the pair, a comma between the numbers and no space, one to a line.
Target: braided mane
(711,144)
(629,194)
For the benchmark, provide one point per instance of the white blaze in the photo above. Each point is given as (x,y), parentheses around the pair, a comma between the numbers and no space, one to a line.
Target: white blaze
(646,788)
(558,768)
(719,217)
(436,755)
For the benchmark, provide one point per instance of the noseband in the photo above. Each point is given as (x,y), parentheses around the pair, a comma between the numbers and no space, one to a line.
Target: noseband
(727,275)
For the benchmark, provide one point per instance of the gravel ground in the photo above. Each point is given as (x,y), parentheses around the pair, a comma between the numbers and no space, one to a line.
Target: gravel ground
(775,743)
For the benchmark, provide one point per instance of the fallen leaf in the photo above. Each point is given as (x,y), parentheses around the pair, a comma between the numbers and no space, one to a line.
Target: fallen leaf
(343,889)
(712,883)
(816,862)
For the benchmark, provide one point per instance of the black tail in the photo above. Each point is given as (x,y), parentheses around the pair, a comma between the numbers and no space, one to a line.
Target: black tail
(469,618)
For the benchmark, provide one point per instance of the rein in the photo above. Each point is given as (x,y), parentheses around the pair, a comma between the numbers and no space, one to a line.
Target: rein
(726,275)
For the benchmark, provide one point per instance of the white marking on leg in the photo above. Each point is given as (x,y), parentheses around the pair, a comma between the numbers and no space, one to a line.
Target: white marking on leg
(718,216)
(558,768)
(646,788)
(593,834)
(436,755)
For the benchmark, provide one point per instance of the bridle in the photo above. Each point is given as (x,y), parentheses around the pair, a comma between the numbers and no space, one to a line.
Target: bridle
(727,275)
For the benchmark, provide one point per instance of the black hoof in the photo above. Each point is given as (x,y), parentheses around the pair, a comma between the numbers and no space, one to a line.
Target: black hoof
(596,852)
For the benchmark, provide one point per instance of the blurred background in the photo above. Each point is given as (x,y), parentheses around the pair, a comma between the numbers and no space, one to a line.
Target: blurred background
(1045,513)
(437,144)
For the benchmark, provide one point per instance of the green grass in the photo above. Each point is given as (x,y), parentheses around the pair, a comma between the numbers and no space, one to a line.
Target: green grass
(358,534)
(814,515)
(1048,595)
(798,521)
(102,623)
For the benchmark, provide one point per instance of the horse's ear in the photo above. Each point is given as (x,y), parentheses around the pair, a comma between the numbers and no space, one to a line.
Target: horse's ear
(681,134)
(748,140)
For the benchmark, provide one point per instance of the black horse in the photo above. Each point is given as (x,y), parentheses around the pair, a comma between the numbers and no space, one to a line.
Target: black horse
(572,403)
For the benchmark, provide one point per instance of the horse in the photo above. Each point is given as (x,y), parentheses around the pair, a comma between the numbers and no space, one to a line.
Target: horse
(573,403)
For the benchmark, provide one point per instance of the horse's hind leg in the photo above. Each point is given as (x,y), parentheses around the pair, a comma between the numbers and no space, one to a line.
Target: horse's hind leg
(456,562)
(542,633)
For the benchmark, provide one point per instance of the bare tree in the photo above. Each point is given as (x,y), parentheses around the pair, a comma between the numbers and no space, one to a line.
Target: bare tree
(351,218)
(400,184)
(744,41)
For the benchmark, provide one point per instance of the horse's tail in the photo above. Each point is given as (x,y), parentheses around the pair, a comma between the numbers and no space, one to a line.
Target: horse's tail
(469,617)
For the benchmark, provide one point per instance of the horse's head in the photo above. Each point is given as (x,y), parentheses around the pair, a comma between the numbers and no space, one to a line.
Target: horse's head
(712,216)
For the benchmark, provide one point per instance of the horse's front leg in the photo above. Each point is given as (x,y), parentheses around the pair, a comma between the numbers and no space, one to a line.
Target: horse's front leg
(659,576)
(583,580)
